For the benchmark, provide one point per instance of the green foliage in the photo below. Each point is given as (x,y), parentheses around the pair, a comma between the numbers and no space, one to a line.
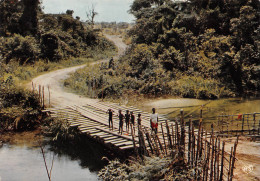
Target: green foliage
(61,131)
(24,49)
(19,108)
(150,168)
(215,39)
(199,87)
(29,34)
(201,49)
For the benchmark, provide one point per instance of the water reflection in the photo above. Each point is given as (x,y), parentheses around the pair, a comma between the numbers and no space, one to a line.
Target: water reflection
(21,160)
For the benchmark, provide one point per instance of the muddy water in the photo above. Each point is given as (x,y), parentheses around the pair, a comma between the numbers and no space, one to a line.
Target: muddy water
(211,108)
(21,160)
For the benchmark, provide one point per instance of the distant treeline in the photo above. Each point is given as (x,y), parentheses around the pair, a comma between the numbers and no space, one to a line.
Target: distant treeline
(196,48)
(119,25)
(27,34)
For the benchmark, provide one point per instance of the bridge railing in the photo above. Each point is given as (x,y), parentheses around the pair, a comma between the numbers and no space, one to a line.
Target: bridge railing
(239,124)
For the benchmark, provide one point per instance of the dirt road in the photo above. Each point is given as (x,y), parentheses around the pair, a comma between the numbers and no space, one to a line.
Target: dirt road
(60,97)
(248,154)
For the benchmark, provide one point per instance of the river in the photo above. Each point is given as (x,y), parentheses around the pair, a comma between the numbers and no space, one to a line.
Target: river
(21,158)
(191,107)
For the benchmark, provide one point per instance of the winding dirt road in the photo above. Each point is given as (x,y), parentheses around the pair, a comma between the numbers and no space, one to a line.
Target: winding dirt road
(59,96)
(247,165)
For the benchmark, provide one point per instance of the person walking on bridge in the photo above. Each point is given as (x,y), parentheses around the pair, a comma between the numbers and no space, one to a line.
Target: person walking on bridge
(154,121)
(110,117)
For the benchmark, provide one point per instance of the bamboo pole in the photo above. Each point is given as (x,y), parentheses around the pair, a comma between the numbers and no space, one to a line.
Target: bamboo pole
(149,141)
(243,121)
(218,160)
(43,97)
(160,144)
(201,141)
(165,146)
(248,124)
(39,90)
(133,137)
(233,159)
(222,161)
(198,145)
(193,146)
(254,123)
(46,167)
(49,96)
(215,159)
(177,140)
(189,143)
(258,126)
(205,162)
(182,141)
(169,135)
(230,163)
(208,157)
(156,145)
(212,157)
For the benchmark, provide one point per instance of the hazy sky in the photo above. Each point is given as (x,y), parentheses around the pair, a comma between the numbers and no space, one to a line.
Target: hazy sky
(109,10)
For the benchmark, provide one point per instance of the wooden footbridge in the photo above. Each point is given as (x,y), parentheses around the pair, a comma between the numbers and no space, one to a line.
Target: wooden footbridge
(92,119)
(197,147)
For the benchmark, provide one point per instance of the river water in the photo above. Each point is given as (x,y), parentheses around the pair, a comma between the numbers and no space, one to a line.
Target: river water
(211,108)
(21,158)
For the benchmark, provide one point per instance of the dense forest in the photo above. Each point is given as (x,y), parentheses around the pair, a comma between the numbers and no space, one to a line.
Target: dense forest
(32,42)
(197,48)
(27,34)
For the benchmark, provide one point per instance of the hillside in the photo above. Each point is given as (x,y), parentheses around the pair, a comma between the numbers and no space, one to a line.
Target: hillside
(31,43)
(27,34)
(201,49)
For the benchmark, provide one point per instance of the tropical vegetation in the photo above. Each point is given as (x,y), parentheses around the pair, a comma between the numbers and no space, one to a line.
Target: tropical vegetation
(197,48)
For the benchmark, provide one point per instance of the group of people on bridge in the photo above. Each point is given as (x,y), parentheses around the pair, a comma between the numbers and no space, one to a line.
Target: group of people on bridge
(129,118)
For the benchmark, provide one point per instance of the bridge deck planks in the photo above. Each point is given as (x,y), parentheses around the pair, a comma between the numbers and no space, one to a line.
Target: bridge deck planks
(92,119)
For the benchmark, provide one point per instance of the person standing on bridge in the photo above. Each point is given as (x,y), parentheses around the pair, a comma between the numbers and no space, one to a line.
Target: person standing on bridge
(154,121)
(127,120)
(110,117)
(132,118)
(139,120)
(121,121)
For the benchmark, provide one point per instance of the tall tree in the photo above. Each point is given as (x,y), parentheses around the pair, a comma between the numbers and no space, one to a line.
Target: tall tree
(29,19)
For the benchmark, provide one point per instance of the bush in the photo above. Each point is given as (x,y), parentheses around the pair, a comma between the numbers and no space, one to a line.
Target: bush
(61,131)
(20,109)
(24,49)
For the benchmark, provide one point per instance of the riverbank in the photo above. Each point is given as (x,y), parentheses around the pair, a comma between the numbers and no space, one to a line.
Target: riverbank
(21,159)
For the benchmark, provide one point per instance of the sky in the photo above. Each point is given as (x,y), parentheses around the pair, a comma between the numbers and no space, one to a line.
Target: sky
(108,10)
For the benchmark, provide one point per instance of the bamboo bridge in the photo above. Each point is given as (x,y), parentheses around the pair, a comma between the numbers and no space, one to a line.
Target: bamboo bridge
(198,147)
(92,119)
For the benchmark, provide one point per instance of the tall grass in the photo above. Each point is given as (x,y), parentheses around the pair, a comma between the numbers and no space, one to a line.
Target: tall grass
(94,81)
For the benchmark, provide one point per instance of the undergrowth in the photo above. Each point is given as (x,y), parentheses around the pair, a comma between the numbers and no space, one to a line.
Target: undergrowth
(150,168)
(20,109)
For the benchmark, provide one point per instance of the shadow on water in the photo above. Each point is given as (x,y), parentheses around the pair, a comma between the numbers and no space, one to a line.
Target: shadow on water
(21,158)
(89,153)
